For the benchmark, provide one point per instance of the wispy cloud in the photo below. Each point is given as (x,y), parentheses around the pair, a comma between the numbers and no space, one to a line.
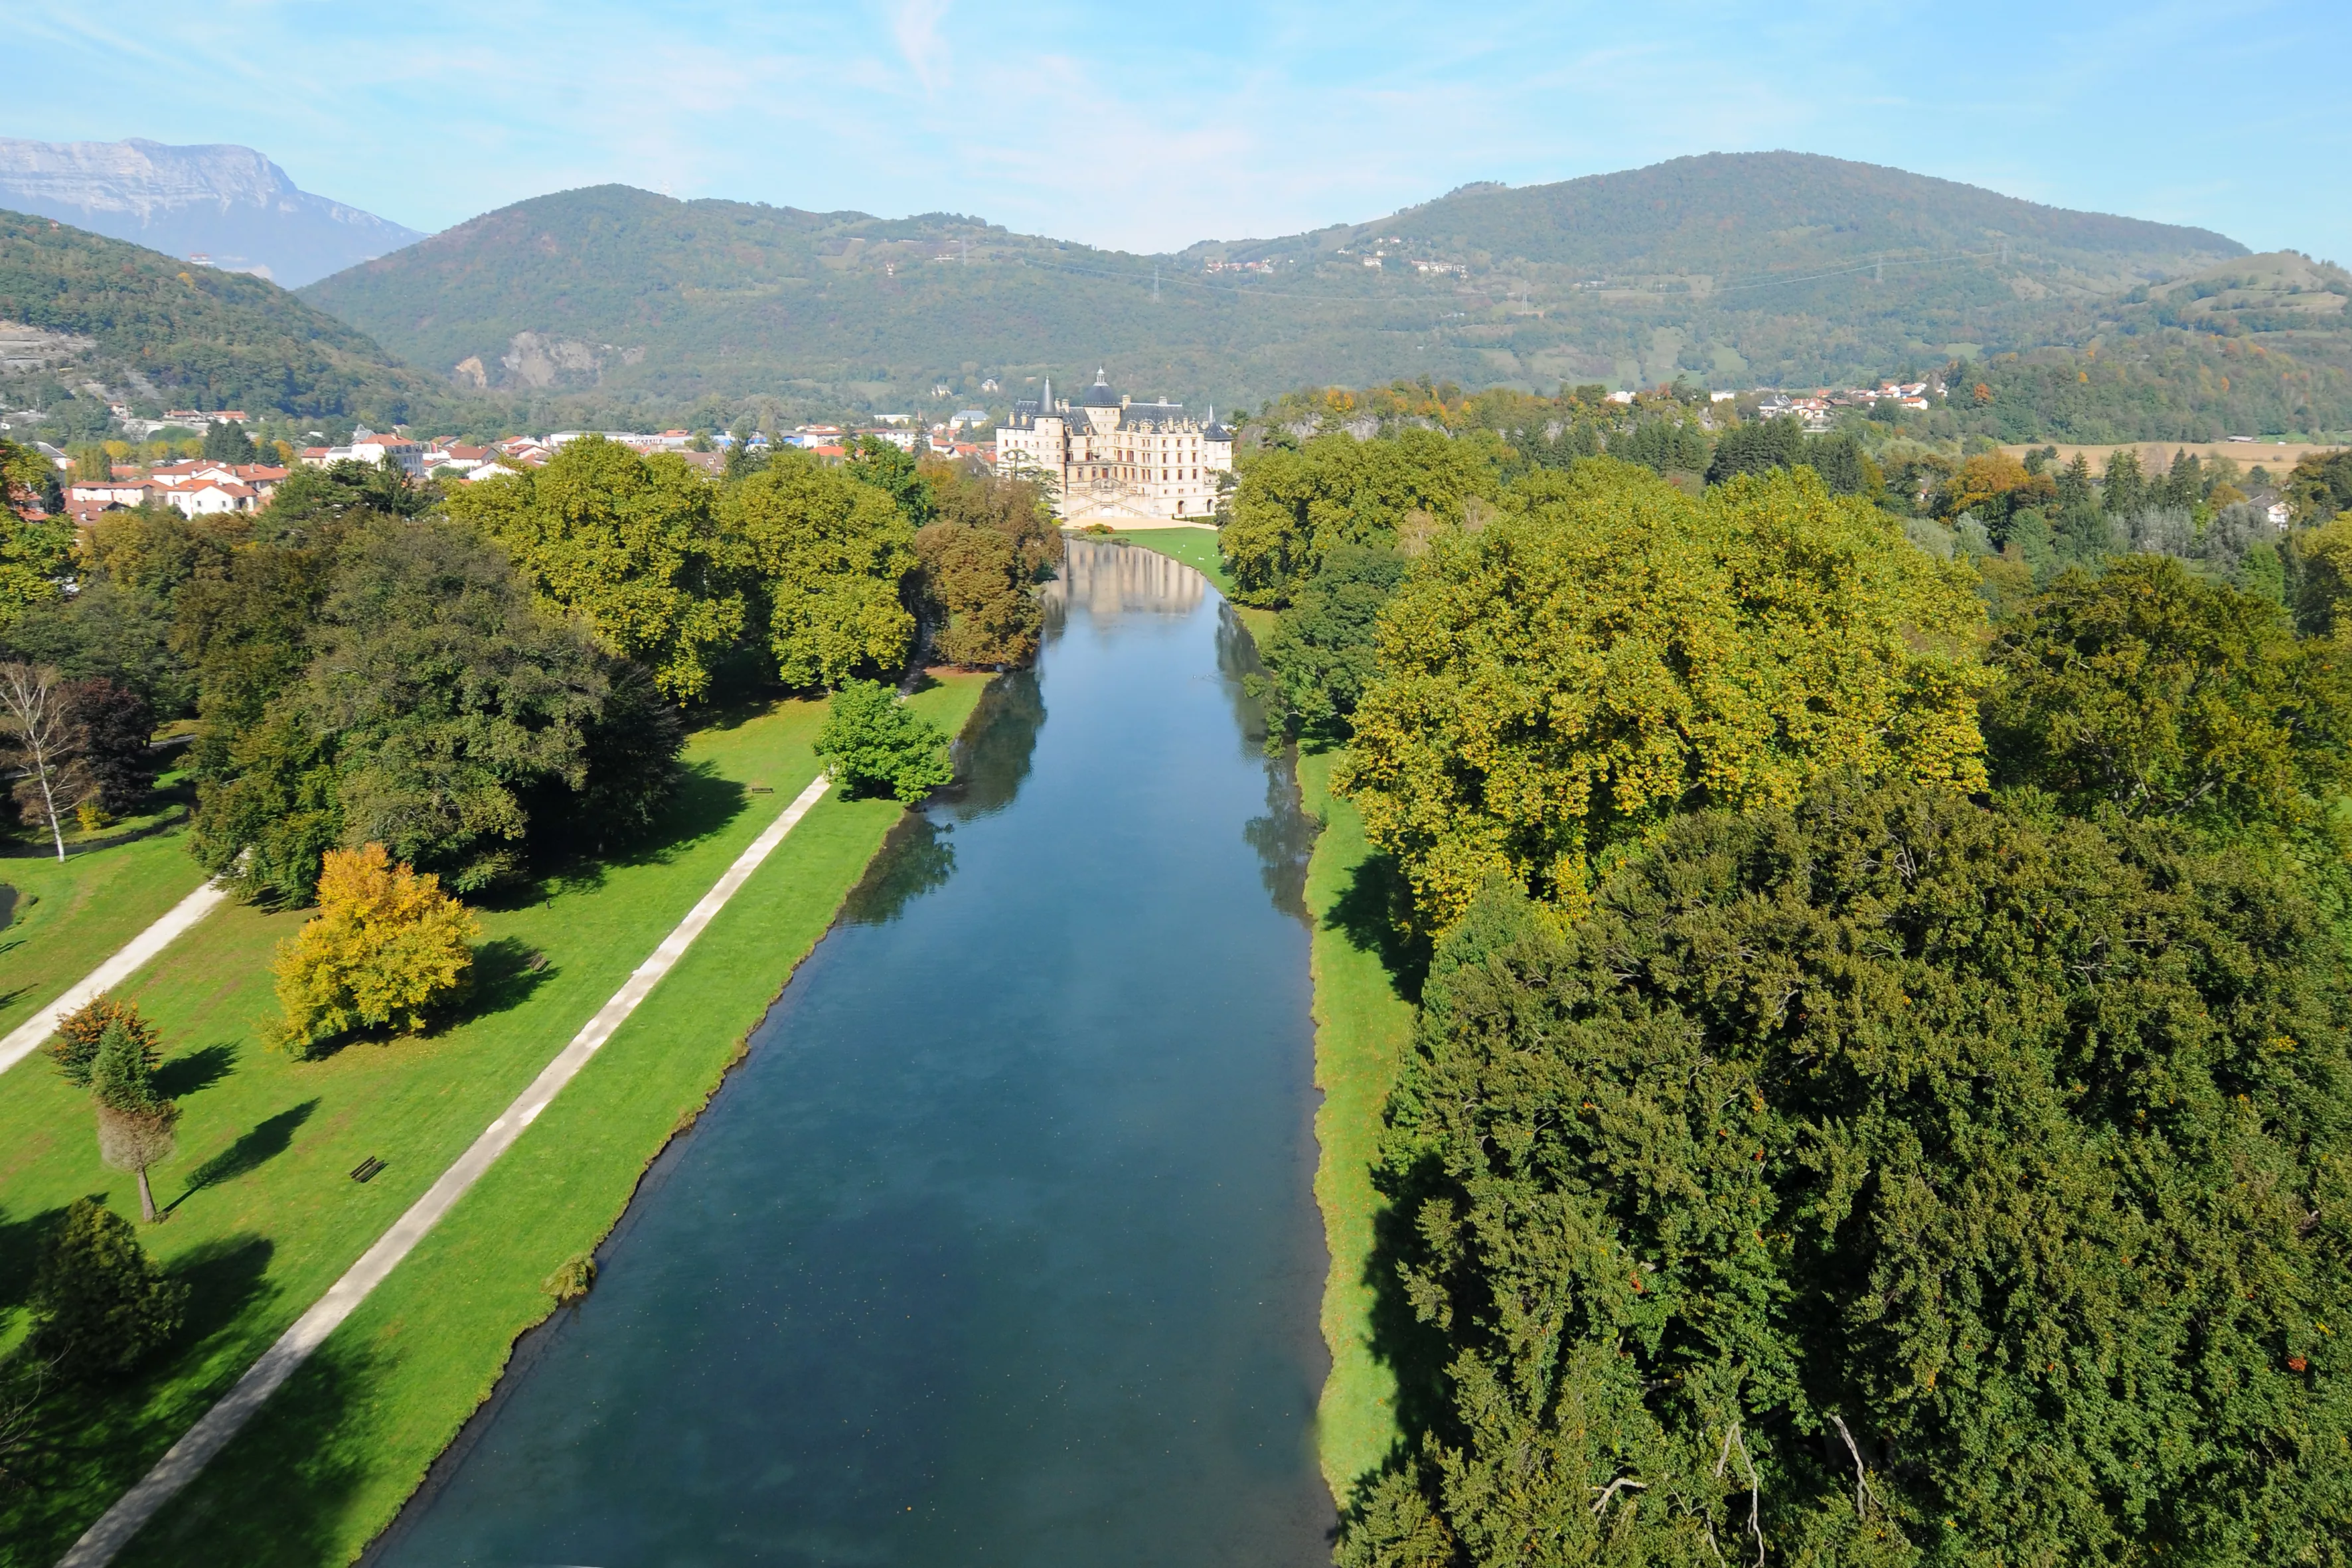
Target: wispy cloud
(1146,128)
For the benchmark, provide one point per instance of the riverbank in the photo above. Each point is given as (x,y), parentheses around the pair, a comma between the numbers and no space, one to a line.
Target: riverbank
(265,1215)
(1362,1027)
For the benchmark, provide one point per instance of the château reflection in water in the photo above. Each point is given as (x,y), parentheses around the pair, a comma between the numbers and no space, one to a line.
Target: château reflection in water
(1110,578)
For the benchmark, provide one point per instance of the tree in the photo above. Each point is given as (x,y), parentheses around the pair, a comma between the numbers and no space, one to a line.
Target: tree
(2162,695)
(1321,657)
(75,1047)
(386,948)
(627,542)
(313,505)
(1885,1180)
(1757,447)
(136,1124)
(832,557)
(1607,653)
(37,739)
(872,743)
(1292,507)
(2122,489)
(2320,486)
(977,596)
(226,443)
(108,728)
(35,545)
(100,1304)
(891,468)
(158,550)
(1014,508)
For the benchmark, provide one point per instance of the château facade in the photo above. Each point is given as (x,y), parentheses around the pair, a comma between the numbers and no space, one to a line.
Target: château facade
(1116,461)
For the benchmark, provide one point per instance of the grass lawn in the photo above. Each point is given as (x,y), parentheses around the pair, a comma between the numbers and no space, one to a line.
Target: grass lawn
(1361,1027)
(71,915)
(265,1217)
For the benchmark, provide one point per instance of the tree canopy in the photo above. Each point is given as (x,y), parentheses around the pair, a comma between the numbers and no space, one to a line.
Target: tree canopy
(1292,506)
(629,544)
(1919,1182)
(833,556)
(1607,652)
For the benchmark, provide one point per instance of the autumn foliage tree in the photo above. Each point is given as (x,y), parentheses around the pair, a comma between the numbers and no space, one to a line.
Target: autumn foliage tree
(386,947)
(75,1045)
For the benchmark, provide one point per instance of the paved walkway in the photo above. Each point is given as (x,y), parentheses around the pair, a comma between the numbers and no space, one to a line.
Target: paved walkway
(210,1435)
(112,973)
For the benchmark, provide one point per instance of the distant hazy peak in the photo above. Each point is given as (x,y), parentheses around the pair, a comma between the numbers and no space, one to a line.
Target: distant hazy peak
(227,202)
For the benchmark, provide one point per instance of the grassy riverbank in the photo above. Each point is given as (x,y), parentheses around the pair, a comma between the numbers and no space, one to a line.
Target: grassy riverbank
(1195,547)
(1361,1027)
(265,1217)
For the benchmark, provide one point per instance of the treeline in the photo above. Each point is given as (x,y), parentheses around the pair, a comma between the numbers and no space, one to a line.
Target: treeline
(2158,385)
(1881,1090)
(490,678)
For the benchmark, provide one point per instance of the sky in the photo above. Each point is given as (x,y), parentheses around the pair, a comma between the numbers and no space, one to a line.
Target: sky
(1148,127)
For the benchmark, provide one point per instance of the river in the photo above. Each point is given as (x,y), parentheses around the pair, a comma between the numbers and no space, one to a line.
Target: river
(1000,1246)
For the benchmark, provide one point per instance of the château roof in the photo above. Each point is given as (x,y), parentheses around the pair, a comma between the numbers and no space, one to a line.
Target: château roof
(1099,395)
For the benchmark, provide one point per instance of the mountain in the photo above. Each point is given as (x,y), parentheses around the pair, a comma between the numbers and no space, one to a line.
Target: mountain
(228,204)
(84,319)
(1735,269)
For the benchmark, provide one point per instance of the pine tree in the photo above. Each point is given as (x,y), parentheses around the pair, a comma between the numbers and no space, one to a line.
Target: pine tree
(136,1125)
(100,1304)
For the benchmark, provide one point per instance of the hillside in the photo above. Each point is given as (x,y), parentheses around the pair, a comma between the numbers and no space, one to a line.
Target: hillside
(227,202)
(1744,269)
(85,314)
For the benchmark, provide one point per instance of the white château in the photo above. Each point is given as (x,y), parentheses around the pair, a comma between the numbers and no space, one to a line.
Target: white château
(1115,461)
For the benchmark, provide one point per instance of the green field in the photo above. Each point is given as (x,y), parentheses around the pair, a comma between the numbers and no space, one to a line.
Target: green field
(70,915)
(264,1216)
(1361,1027)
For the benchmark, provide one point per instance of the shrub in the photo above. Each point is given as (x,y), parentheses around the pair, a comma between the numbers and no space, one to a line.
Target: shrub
(386,946)
(79,1032)
(876,746)
(100,1304)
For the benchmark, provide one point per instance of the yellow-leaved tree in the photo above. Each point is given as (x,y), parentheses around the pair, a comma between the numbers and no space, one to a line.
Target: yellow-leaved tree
(385,948)
(1556,686)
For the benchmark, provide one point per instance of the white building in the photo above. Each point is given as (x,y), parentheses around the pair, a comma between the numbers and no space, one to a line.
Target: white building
(1116,461)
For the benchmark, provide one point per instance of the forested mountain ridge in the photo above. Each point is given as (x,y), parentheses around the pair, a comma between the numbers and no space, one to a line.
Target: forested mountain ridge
(141,324)
(1769,268)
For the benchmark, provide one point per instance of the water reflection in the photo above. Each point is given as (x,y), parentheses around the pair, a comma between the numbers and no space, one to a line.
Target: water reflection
(917,859)
(1112,579)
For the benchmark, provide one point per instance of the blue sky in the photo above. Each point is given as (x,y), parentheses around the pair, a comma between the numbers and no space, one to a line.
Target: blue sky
(1148,126)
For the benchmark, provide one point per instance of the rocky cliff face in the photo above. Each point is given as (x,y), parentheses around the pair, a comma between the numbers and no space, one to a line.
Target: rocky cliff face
(229,205)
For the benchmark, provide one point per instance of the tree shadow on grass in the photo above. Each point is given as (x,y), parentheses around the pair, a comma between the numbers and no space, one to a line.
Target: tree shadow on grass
(249,1153)
(506,971)
(191,1071)
(94,1439)
(703,805)
(281,1494)
(20,1254)
(1369,914)
(1416,1352)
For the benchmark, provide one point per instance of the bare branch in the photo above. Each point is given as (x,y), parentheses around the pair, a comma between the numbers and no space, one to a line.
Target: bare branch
(1610,1491)
(1860,1486)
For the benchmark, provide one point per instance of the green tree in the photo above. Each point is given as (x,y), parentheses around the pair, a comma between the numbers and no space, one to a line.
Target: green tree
(2159,694)
(891,468)
(2123,490)
(36,545)
(872,743)
(1757,447)
(1322,655)
(75,1045)
(100,1304)
(832,557)
(226,443)
(2320,486)
(628,543)
(1883,1180)
(1608,653)
(976,596)
(1291,507)
(136,1124)
(313,504)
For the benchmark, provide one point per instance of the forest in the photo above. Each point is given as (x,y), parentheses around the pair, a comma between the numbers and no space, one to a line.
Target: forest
(493,679)
(1879,1087)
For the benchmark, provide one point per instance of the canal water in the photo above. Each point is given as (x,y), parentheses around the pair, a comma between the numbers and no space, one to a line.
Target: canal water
(1000,1248)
